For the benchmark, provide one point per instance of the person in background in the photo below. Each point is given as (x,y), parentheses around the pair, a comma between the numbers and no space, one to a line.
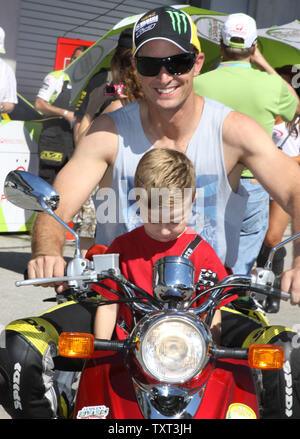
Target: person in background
(260,93)
(56,139)
(119,86)
(8,83)
(286,136)
(107,91)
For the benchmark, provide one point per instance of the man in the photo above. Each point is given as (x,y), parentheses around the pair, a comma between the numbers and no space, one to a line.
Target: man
(219,141)
(56,139)
(169,117)
(259,93)
(8,85)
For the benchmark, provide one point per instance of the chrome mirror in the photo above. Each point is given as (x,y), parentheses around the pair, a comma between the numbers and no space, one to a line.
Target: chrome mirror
(173,278)
(30,192)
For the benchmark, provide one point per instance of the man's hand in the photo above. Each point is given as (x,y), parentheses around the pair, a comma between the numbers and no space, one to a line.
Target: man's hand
(290,283)
(48,266)
(69,116)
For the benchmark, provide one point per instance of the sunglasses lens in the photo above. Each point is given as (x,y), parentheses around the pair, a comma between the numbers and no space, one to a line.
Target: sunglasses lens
(175,65)
(180,64)
(148,66)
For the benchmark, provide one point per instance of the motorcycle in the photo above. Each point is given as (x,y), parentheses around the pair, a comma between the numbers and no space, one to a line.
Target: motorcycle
(169,367)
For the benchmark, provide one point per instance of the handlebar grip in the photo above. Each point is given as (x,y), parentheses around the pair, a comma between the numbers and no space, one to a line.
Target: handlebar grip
(268,291)
(281,294)
(112,345)
(219,352)
(284,296)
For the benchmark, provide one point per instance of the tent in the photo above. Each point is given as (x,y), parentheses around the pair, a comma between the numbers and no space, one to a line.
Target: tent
(279,44)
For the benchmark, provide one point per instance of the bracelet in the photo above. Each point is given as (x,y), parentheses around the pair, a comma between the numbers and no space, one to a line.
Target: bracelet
(65,112)
(2,109)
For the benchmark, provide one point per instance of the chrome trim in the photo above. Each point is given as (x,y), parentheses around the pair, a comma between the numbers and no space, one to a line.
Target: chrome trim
(173,278)
(181,403)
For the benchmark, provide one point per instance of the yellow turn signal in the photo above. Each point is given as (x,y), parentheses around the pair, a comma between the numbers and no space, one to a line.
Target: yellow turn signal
(265,356)
(76,344)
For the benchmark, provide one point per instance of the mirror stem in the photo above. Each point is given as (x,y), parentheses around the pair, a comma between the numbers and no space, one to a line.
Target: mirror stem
(50,212)
(269,262)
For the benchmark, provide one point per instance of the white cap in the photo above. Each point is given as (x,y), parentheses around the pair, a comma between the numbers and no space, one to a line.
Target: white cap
(2,37)
(241,26)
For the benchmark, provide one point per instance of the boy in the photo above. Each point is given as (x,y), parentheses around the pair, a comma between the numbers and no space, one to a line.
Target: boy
(165,189)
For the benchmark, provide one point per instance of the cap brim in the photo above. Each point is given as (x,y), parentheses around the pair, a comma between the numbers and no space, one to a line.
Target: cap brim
(159,38)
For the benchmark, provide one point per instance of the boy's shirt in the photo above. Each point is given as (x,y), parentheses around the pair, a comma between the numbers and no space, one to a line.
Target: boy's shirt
(138,254)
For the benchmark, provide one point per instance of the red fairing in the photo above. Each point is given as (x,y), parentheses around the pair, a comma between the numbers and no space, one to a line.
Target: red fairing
(231,382)
(106,382)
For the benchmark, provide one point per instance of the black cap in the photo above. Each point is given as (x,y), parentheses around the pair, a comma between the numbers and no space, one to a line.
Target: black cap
(169,24)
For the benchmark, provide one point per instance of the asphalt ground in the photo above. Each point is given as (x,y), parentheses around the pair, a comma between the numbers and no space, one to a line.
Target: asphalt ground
(18,302)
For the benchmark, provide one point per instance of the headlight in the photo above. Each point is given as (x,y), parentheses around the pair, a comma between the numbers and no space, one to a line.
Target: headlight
(173,349)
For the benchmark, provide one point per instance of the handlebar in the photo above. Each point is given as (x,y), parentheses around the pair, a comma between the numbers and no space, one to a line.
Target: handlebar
(49,280)
(244,282)
(217,352)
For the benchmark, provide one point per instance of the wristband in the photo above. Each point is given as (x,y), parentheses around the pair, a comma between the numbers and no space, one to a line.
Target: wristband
(2,109)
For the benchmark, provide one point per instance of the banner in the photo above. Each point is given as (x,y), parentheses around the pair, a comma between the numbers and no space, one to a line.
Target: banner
(18,150)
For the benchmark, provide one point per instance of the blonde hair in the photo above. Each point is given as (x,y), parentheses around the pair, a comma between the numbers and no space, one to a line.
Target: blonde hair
(169,170)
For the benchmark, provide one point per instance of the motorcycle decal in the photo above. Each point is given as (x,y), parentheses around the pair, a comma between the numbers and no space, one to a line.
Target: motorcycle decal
(93,412)
(240,411)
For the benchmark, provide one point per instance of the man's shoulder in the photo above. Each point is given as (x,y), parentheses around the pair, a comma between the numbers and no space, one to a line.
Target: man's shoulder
(127,111)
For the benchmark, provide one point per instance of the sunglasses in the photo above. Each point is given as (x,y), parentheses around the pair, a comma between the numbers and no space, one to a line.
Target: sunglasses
(175,65)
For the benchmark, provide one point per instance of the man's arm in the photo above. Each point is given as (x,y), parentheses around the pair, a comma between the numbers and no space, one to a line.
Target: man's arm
(51,110)
(74,183)
(246,143)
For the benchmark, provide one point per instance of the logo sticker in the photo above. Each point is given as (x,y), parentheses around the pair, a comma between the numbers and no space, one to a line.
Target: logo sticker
(93,412)
(178,19)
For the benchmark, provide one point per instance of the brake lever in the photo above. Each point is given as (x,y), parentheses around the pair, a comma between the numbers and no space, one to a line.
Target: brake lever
(264,289)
